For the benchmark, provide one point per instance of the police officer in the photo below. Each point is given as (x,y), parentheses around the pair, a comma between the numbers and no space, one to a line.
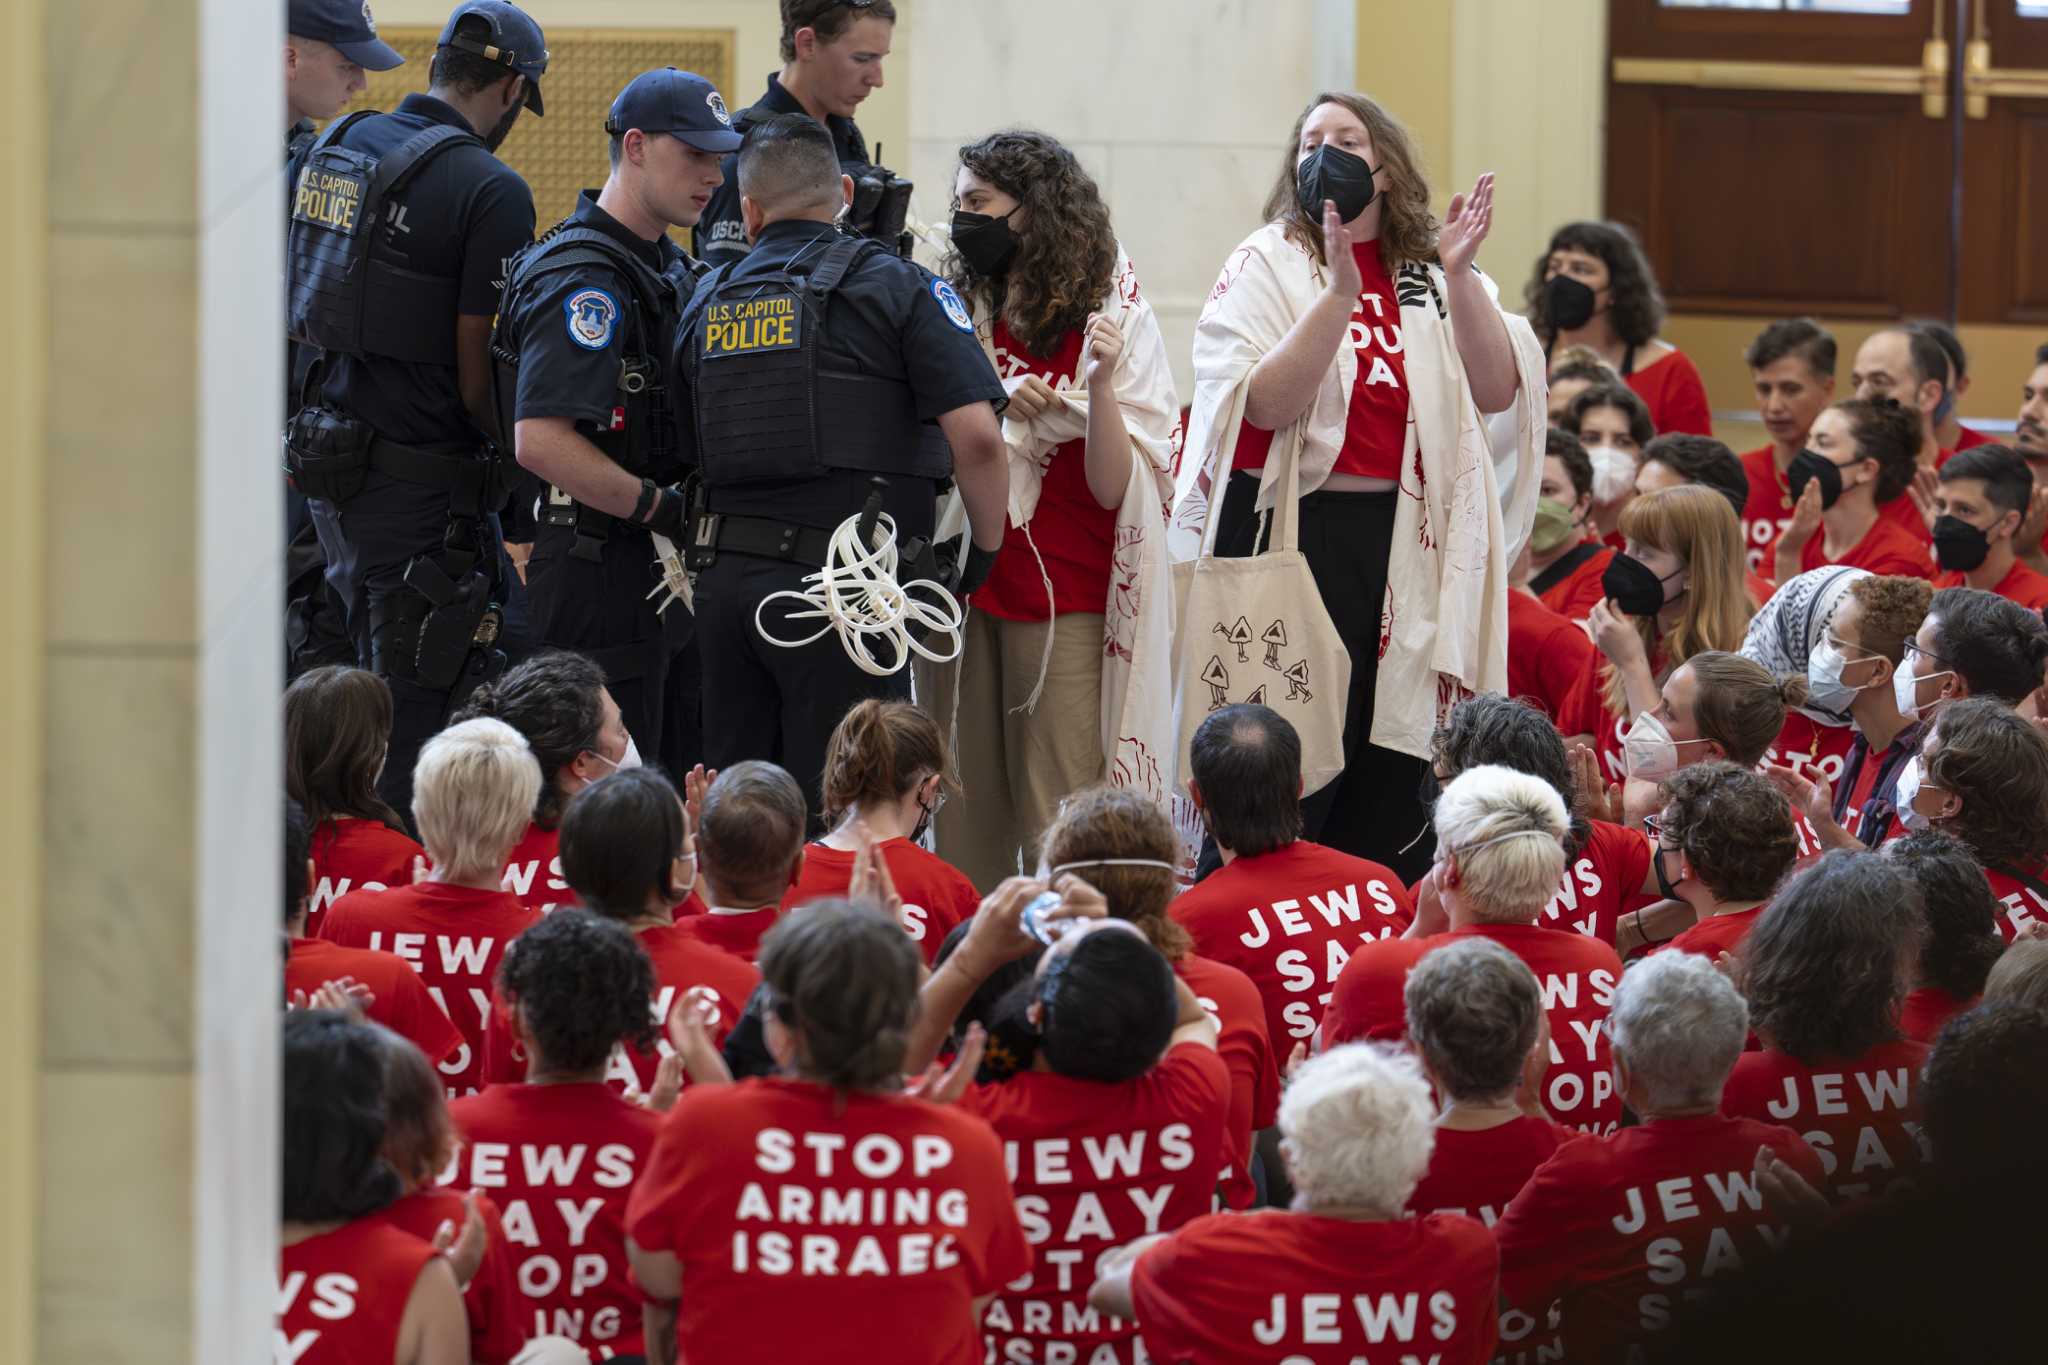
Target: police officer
(832,53)
(589,316)
(817,364)
(401,228)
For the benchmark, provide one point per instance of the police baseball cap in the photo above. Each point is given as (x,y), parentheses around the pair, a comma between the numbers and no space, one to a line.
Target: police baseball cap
(346,26)
(503,33)
(680,103)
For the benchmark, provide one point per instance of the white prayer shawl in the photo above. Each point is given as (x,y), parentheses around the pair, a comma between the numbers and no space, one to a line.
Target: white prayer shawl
(1137,614)
(1443,626)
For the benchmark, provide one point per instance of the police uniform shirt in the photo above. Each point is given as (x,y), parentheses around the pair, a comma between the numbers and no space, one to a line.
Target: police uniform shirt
(890,318)
(720,236)
(571,329)
(464,217)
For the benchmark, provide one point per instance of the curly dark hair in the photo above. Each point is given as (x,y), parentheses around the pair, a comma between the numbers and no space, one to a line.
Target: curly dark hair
(554,699)
(581,983)
(1986,1090)
(1734,826)
(1066,249)
(1636,305)
(1407,227)
(1491,728)
(1996,763)
(843,978)
(1822,965)
(1962,919)
(1888,432)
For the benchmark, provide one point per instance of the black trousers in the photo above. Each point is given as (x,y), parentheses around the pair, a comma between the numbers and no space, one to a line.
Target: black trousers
(1369,810)
(760,700)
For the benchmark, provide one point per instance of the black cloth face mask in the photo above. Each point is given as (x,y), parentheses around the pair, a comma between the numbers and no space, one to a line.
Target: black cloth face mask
(985,243)
(1806,465)
(1664,883)
(1633,586)
(1958,546)
(1567,303)
(1329,172)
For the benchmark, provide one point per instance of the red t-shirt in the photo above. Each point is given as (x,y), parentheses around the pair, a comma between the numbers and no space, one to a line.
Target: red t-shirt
(1255,1288)
(1715,935)
(1577,975)
(1671,388)
(819,1224)
(534,871)
(1075,534)
(1859,1115)
(1229,998)
(738,932)
(1477,1173)
(1601,882)
(1625,1228)
(1288,920)
(1578,592)
(2021,585)
(341,1295)
(1906,516)
(1094,1166)
(936,895)
(1865,784)
(1886,548)
(454,937)
(1969,439)
(1548,654)
(1767,512)
(492,1299)
(561,1160)
(1925,1010)
(1377,427)
(402,1003)
(2018,904)
(1805,746)
(355,855)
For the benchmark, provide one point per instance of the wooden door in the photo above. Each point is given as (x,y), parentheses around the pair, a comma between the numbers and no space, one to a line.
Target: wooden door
(2004,251)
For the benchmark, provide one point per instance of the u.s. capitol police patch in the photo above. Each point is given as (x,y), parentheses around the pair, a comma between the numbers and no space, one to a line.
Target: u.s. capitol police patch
(956,310)
(593,318)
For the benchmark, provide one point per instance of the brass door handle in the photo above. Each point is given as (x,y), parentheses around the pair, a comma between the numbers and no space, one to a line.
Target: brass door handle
(1924,80)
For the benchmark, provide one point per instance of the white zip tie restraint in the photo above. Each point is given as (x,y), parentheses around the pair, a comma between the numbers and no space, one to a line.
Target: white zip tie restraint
(857,596)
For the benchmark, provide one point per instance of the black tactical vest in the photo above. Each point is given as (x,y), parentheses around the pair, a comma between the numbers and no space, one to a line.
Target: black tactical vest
(340,295)
(768,408)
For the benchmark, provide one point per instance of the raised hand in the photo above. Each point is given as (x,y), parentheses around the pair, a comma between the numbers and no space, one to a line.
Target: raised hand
(464,1249)
(948,1086)
(1345,281)
(1102,343)
(1466,224)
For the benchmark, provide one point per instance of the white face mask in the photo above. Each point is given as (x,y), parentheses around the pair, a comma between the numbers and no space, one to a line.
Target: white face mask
(1827,696)
(1905,791)
(1651,751)
(629,759)
(1906,690)
(1614,473)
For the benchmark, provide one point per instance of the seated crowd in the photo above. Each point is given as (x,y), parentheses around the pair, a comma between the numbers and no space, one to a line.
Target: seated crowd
(1726,988)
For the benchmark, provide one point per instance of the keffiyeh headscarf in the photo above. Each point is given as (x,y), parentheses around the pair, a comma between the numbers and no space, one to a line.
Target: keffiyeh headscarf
(1785,631)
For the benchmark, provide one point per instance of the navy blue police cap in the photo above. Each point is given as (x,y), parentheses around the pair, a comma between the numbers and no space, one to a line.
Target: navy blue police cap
(503,33)
(680,103)
(345,25)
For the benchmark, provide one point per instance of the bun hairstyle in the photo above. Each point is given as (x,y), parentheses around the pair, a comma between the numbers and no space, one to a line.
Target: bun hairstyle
(1741,704)
(556,700)
(878,752)
(337,726)
(843,979)
(1119,822)
(1887,431)
(334,1119)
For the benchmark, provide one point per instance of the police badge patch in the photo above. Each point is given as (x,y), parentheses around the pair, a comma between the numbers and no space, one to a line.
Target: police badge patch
(593,318)
(956,310)
(718,108)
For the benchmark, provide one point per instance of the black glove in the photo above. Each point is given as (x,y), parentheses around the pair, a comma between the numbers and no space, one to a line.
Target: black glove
(666,517)
(974,571)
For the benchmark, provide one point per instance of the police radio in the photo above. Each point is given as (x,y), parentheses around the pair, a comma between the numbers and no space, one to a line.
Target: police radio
(881,206)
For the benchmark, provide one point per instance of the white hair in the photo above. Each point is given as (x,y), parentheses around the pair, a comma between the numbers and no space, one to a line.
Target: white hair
(1678,1024)
(1506,829)
(1357,1126)
(472,793)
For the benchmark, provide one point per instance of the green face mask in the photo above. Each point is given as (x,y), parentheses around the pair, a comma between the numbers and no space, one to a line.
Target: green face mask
(1553,525)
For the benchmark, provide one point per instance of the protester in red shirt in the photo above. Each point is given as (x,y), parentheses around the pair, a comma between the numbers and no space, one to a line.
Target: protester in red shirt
(1593,287)
(472,791)
(1791,634)
(1679,458)
(419,1144)
(1566,553)
(828,1214)
(397,998)
(1340,1273)
(884,781)
(1725,841)
(351,1287)
(561,1150)
(337,729)
(1792,365)
(1619,1229)
(1121,842)
(1979,504)
(1549,655)
(1093,415)
(1824,972)
(750,850)
(1282,910)
(1906,364)
(1982,777)
(1859,461)
(1613,426)
(1499,859)
(558,700)
(1961,944)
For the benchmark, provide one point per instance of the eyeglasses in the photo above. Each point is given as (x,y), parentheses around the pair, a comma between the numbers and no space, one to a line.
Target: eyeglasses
(1654,827)
(1912,649)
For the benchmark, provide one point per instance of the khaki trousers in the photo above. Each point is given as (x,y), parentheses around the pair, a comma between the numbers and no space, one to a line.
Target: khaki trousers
(1015,767)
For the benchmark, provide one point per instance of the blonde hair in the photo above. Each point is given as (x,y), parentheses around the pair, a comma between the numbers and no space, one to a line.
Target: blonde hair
(1407,227)
(1507,830)
(1697,524)
(1357,1127)
(473,793)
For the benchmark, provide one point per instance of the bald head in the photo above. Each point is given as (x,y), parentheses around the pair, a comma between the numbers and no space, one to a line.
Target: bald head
(788,170)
